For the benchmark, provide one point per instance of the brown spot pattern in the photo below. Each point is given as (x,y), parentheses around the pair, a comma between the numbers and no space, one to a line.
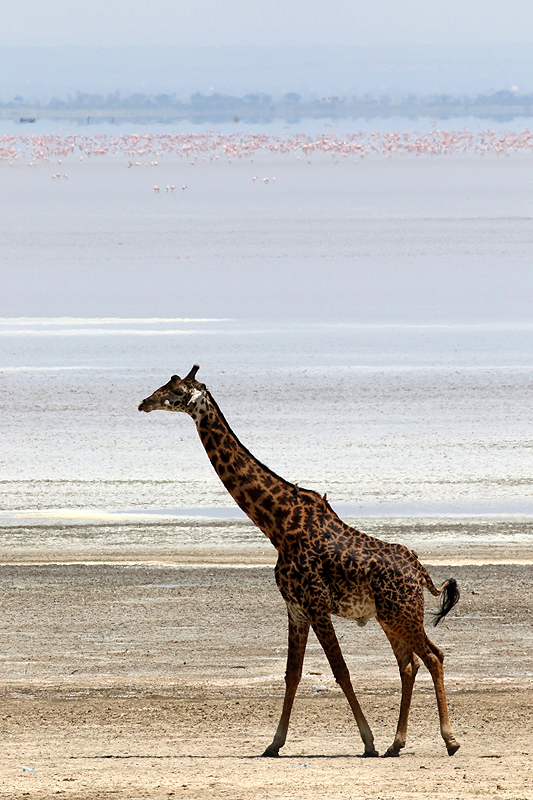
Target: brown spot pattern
(324,567)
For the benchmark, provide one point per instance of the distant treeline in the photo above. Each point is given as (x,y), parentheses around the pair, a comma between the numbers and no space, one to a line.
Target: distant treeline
(263,108)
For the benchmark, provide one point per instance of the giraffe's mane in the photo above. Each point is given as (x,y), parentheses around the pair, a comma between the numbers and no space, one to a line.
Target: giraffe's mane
(251,455)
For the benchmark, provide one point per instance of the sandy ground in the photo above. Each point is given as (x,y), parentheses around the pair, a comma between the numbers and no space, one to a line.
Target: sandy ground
(135,680)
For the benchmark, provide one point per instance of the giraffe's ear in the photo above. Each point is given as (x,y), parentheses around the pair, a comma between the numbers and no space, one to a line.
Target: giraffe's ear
(192,374)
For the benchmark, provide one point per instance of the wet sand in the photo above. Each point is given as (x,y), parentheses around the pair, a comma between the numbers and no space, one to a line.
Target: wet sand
(134,679)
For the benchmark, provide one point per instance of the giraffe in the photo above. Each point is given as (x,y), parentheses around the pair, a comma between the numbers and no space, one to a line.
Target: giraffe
(324,567)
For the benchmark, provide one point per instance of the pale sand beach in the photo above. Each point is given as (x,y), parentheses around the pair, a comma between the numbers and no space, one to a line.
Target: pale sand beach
(162,676)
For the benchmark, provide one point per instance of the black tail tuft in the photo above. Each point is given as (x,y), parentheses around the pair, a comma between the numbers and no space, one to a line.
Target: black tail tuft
(450,596)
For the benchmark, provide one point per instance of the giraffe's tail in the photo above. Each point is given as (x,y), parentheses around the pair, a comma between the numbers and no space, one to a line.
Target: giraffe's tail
(450,597)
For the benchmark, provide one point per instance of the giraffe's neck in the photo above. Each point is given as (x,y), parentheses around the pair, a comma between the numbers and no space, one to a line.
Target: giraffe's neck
(270,502)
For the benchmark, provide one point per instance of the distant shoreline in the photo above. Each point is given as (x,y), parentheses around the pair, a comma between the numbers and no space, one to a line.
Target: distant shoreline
(139,116)
(263,108)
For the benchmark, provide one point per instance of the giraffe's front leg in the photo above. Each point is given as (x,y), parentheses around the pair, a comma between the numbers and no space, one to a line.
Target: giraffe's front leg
(298,633)
(323,627)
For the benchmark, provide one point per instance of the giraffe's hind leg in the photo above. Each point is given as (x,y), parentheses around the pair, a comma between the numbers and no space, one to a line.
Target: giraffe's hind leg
(298,633)
(415,638)
(405,622)
(433,658)
(408,665)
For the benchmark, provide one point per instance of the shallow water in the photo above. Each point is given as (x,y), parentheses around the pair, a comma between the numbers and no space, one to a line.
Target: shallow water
(406,239)
(366,330)
(389,420)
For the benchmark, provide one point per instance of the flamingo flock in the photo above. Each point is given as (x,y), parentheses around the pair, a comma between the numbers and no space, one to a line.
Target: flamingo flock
(146,149)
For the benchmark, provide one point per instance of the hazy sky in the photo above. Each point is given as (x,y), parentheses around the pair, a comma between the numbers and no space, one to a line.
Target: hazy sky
(279,22)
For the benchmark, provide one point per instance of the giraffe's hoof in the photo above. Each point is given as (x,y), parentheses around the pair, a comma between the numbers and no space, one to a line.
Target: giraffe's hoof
(371,754)
(270,752)
(452,747)
(391,753)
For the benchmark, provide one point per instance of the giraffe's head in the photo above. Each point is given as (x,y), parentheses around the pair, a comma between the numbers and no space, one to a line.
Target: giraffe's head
(179,394)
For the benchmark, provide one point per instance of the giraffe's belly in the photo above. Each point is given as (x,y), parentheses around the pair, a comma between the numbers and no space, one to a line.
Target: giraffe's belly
(359,607)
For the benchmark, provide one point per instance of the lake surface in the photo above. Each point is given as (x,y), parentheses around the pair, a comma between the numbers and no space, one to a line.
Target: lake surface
(366,329)
(390,420)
